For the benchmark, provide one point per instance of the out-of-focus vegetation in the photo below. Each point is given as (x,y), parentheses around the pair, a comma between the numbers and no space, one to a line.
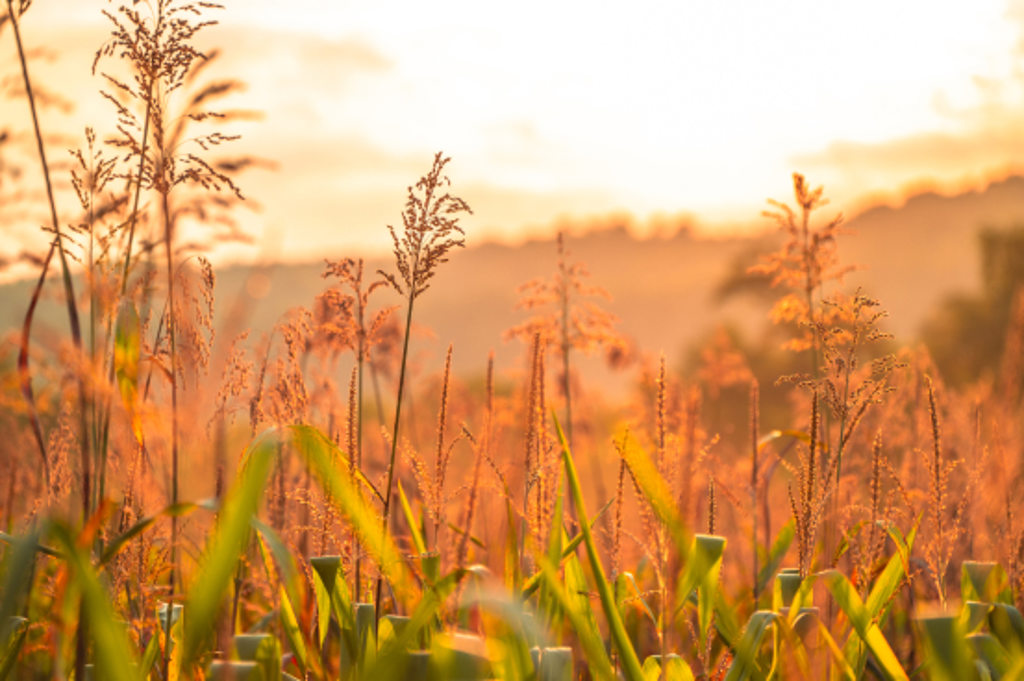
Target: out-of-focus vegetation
(185,500)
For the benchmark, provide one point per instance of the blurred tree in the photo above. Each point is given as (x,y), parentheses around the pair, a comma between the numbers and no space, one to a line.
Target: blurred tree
(967,334)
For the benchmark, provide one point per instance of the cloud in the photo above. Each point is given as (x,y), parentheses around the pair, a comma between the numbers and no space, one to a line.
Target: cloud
(982,137)
(941,154)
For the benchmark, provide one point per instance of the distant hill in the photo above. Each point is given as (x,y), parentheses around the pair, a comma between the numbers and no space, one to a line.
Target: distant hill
(920,253)
(913,256)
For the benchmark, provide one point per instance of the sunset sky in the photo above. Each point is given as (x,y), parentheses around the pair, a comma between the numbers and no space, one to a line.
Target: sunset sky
(573,109)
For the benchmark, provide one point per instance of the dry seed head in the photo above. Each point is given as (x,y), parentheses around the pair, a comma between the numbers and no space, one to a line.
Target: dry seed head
(712,508)
(586,326)
(352,429)
(442,453)
(430,230)
(617,533)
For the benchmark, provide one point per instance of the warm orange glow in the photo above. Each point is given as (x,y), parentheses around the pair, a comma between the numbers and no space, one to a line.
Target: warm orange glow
(581,109)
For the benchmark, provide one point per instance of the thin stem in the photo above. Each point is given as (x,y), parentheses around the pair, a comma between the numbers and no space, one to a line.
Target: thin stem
(69,289)
(754,426)
(168,246)
(76,334)
(358,418)
(394,435)
(566,345)
(133,219)
(138,192)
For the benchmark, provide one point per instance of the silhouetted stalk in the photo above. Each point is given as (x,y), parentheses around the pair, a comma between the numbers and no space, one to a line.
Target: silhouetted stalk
(25,378)
(172,345)
(754,413)
(483,452)
(660,535)
(566,346)
(69,291)
(132,221)
(430,224)
(394,434)
(937,495)
(533,449)
(76,337)
(357,416)
(134,216)
(93,304)
(354,466)
(441,456)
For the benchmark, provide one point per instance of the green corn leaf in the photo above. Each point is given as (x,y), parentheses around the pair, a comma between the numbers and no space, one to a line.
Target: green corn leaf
(149,657)
(320,453)
(991,653)
(726,622)
(985,582)
(598,663)
(881,595)
(556,538)
(290,625)
(575,583)
(460,656)
(1006,623)
(179,510)
(512,632)
(17,573)
(530,585)
(287,569)
(630,663)
(111,646)
(366,635)
(655,491)
(556,664)
(392,661)
(676,669)
(791,643)
(949,654)
(839,660)
(776,554)
(556,534)
(745,664)
(13,635)
(701,573)
(865,625)
(893,575)
(974,615)
(127,344)
(786,588)
(625,583)
(229,540)
(332,597)
(414,526)
(264,650)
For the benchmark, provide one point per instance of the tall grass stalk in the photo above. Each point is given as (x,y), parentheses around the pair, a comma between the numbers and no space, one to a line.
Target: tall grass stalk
(442,453)
(81,637)
(172,345)
(571,322)
(482,453)
(754,426)
(69,290)
(104,438)
(564,341)
(430,231)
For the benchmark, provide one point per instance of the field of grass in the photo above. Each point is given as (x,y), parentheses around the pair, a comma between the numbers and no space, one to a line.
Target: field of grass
(190,501)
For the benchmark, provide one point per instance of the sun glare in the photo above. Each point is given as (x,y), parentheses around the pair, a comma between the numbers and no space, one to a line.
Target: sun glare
(583,108)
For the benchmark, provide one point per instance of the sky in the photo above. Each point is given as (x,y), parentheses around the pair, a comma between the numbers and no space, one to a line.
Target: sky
(554,112)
